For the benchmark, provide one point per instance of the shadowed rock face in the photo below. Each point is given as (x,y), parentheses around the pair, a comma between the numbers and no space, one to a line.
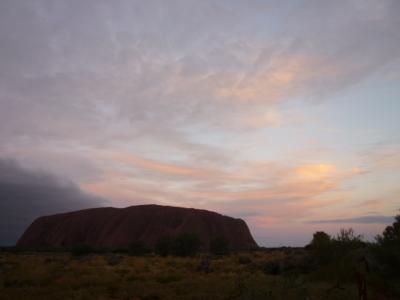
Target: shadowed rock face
(120,227)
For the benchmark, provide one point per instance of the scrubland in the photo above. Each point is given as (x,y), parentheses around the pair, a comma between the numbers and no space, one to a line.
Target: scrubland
(341,267)
(265,274)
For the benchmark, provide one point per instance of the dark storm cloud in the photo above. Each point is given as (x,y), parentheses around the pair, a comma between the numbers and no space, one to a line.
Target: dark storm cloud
(26,195)
(372,219)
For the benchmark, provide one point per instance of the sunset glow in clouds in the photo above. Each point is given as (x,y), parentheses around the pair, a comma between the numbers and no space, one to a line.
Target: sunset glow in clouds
(283,114)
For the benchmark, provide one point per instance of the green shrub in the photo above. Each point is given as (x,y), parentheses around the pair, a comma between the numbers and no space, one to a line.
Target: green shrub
(272,268)
(324,249)
(321,247)
(186,244)
(244,260)
(347,240)
(81,250)
(138,248)
(387,250)
(164,246)
(219,246)
(391,235)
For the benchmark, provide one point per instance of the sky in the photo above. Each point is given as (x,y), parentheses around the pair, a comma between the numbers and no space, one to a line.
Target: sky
(282,113)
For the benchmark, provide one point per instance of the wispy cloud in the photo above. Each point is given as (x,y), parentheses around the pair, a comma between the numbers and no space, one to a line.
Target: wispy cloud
(371,219)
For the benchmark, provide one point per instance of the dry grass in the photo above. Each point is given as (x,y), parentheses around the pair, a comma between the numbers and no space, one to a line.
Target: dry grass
(114,276)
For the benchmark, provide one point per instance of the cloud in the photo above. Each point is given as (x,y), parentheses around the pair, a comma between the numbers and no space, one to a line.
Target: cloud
(272,189)
(315,171)
(370,219)
(183,102)
(26,195)
(108,74)
(383,156)
(141,65)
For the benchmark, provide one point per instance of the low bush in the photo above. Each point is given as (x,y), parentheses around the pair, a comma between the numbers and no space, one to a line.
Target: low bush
(321,247)
(164,246)
(186,244)
(273,268)
(219,246)
(387,253)
(244,259)
(138,248)
(388,247)
(325,249)
(81,250)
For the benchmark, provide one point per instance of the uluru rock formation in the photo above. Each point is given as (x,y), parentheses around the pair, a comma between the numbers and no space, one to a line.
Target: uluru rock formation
(120,227)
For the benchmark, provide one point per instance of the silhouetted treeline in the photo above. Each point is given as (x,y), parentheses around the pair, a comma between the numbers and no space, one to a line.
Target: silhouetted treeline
(185,244)
(188,244)
(346,257)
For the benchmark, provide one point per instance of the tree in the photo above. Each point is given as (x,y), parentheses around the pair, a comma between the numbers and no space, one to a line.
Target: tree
(138,248)
(348,236)
(164,246)
(81,250)
(219,246)
(337,257)
(391,234)
(186,244)
(347,240)
(321,247)
(387,250)
(320,239)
